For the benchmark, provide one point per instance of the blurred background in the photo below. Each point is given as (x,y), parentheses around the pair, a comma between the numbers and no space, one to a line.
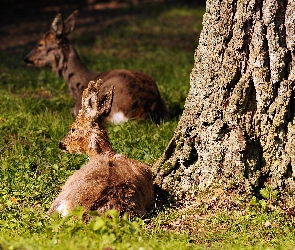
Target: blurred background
(22,22)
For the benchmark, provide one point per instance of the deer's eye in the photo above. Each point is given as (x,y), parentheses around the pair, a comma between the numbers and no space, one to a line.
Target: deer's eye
(73,130)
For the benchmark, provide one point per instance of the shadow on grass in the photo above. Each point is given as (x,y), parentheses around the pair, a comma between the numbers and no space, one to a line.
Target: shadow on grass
(23,22)
(162,200)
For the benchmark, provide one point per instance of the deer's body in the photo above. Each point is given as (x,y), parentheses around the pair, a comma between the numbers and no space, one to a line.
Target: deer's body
(108,180)
(136,97)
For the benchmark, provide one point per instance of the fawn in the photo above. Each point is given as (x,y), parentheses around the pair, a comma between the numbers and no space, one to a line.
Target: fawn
(136,97)
(108,180)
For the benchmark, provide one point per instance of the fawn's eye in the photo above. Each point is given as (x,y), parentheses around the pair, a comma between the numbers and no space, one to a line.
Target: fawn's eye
(73,130)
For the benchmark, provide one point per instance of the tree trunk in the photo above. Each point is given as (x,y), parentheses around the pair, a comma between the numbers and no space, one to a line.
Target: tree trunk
(237,131)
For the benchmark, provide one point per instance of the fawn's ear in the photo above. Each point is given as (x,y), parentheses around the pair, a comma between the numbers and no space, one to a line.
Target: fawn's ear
(106,102)
(92,105)
(70,22)
(57,25)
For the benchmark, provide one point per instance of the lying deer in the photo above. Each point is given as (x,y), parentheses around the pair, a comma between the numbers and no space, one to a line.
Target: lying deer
(136,97)
(108,180)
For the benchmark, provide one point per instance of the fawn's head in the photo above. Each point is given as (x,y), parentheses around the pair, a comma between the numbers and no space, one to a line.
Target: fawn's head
(47,49)
(88,133)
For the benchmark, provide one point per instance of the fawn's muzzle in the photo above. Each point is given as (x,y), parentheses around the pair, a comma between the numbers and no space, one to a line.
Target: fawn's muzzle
(62,146)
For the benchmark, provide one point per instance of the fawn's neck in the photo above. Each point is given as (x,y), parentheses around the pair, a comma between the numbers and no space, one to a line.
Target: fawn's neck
(100,144)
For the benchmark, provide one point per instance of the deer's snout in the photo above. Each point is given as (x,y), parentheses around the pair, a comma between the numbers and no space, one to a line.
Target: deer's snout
(62,146)
(27,60)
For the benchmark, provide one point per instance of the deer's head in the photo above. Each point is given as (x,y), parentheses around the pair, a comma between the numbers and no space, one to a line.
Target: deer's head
(47,49)
(88,133)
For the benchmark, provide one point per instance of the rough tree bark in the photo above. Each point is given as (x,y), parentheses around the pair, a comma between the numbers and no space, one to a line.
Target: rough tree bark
(237,131)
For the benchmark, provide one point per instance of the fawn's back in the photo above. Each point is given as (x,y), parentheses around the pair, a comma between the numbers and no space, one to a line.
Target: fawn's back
(107,182)
(136,97)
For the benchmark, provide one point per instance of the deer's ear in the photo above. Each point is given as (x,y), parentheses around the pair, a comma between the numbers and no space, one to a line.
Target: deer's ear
(92,105)
(57,25)
(70,22)
(106,102)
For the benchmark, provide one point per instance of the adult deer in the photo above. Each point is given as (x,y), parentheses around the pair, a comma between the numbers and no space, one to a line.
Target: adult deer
(108,180)
(136,97)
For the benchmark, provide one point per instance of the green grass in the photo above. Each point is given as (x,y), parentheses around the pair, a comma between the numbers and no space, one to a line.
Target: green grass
(35,116)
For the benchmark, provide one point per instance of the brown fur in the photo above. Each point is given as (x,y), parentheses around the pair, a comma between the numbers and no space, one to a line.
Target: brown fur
(108,180)
(137,95)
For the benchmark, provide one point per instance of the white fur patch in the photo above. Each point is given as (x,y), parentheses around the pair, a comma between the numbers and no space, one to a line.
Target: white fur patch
(64,208)
(118,156)
(118,118)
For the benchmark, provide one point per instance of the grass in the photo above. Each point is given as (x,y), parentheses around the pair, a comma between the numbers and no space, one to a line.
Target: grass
(35,116)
